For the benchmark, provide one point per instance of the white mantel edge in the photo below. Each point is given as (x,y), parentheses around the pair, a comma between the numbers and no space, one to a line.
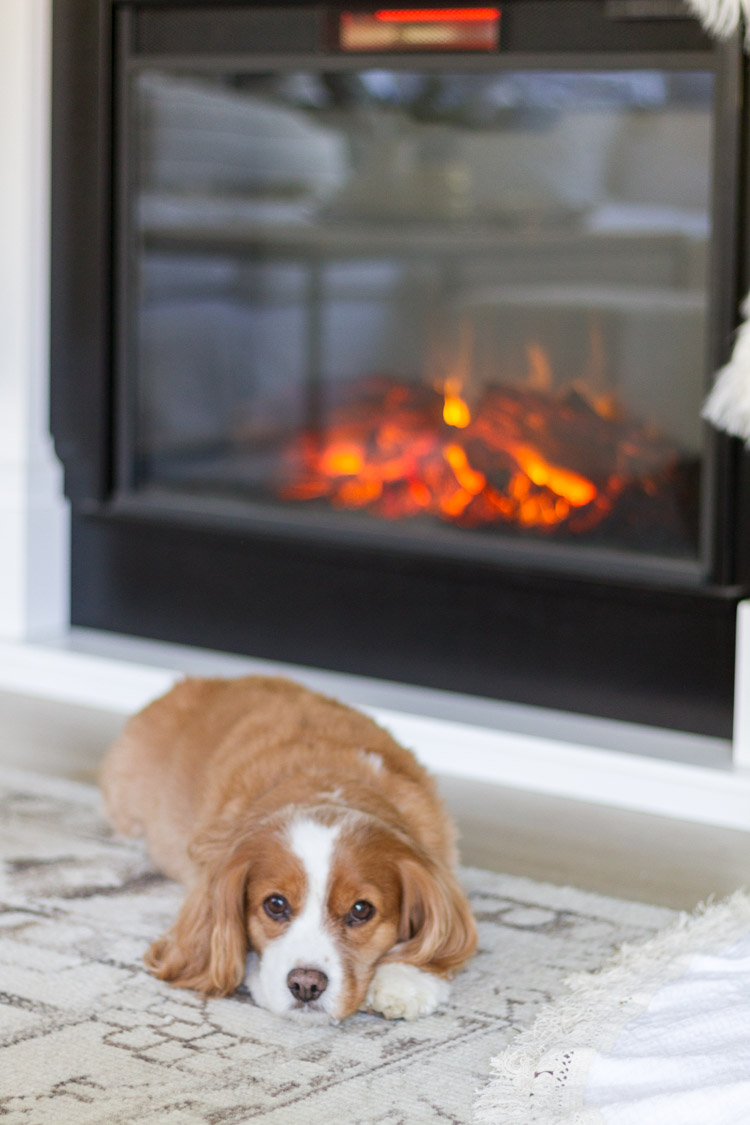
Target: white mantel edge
(34,520)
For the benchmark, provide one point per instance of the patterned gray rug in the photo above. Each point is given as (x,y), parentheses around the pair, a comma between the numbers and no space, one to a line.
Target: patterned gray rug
(87,1036)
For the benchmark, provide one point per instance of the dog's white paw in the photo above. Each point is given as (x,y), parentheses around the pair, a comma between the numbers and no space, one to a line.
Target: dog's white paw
(400,991)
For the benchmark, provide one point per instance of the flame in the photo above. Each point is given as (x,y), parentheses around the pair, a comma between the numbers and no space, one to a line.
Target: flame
(535,458)
(539,373)
(342,460)
(455,411)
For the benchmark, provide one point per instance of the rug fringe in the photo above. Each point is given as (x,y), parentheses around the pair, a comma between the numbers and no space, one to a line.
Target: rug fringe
(541,1077)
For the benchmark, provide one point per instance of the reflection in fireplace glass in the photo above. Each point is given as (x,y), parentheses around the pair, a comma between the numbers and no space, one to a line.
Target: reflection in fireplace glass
(467,303)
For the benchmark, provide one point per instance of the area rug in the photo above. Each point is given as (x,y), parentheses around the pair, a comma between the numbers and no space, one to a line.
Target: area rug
(87,1036)
(660,1036)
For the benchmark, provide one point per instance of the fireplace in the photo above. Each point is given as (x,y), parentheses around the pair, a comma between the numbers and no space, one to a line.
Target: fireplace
(380,338)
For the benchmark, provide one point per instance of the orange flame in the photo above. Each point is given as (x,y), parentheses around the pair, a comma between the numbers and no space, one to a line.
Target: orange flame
(342,461)
(536,458)
(456,412)
(539,376)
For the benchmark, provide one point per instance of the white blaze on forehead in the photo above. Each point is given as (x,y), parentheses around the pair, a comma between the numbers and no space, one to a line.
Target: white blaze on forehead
(306,943)
(313,843)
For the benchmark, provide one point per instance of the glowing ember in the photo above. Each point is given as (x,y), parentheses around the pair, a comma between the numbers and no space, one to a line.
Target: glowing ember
(575,489)
(531,457)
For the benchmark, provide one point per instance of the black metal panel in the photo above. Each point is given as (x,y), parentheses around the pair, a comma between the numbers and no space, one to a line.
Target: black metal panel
(226,29)
(641,655)
(182,28)
(590,26)
(81,375)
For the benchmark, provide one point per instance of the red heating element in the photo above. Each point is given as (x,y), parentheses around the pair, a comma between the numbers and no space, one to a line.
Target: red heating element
(438,15)
(420,29)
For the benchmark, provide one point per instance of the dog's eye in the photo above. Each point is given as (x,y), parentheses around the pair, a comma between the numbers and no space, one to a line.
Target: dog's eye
(276,907)
(360,912)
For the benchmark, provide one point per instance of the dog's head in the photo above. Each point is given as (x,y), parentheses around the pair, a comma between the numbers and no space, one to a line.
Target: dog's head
(320,898)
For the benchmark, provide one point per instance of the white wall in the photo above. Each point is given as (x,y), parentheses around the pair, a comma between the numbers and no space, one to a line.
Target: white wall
(33,515)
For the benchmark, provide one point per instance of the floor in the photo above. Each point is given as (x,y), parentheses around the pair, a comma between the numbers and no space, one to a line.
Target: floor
(614,852)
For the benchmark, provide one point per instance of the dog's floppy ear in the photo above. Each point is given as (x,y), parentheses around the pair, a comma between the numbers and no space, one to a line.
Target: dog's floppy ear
(207,946)
(437,930)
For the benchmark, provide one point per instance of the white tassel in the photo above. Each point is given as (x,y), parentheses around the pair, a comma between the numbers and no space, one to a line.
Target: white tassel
(721,17)
(728,405)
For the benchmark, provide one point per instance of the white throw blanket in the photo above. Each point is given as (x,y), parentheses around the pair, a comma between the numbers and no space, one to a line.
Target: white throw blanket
(686,1059)
(660,1038)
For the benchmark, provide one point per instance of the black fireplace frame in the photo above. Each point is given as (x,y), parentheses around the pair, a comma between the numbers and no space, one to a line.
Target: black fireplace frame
(568,629)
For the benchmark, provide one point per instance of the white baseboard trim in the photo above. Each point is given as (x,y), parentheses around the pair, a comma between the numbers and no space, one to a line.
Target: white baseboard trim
(71,670)
(741,753)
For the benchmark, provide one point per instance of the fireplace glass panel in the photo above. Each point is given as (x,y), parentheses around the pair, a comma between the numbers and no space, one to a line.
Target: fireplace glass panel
(464,305)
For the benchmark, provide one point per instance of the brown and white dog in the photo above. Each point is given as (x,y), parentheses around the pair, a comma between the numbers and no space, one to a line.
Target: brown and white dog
(316,854)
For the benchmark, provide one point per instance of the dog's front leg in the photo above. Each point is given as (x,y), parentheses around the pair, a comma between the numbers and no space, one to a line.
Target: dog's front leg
(402,991)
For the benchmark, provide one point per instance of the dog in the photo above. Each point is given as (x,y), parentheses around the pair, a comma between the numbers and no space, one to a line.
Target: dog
(317,857)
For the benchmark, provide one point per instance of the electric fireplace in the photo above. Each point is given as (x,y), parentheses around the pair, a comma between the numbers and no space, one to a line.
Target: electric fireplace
(380,338)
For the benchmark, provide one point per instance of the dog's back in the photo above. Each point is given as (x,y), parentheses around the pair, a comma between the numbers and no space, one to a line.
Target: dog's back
(210,745)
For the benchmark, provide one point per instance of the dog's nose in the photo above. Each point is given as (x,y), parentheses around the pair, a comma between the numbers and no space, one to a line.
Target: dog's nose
(306,984)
